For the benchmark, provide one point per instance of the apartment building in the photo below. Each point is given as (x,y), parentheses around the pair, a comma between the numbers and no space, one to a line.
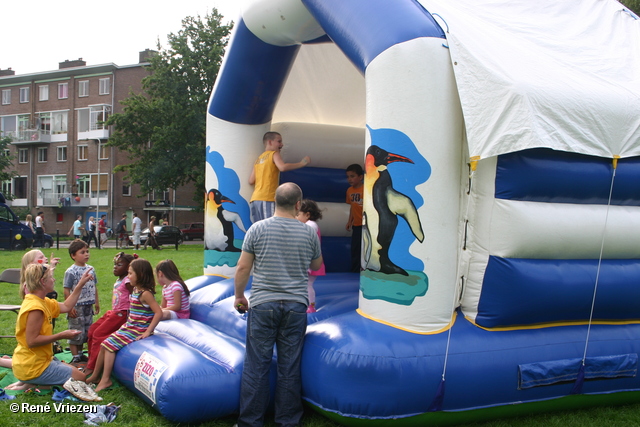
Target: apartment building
(64,167)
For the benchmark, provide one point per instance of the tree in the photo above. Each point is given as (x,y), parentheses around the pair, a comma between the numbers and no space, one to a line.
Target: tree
(6,162)
(634,5)
(163,128)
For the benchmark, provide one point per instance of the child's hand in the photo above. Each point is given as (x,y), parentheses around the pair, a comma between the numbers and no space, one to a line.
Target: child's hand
(73,313)
(70,334)
(96,309)
(88,275)
(305,160)
(145,335)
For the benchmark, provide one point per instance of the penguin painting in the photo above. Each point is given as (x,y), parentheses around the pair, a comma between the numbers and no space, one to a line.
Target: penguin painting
(382,206)
(218,230)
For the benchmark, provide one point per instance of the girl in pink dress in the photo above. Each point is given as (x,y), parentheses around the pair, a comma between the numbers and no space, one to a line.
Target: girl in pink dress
(114,318)
(175,294)
(309,213)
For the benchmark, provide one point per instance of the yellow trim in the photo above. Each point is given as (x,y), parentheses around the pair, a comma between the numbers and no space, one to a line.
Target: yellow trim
(553,325)
(218,275)
(474,162)
(615,161)
(446,328)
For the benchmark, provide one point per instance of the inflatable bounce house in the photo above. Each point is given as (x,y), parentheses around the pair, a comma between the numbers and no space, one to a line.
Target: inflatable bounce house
(501,244)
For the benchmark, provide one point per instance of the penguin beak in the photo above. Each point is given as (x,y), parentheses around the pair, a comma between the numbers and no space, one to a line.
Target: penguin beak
(397,158)
(224,199)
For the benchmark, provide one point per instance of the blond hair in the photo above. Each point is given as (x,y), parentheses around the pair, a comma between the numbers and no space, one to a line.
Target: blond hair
(34,274)
(27,259)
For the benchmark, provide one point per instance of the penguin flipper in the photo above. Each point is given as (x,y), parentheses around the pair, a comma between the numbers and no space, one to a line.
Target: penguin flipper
(234,218)
(366,241)
(403,206)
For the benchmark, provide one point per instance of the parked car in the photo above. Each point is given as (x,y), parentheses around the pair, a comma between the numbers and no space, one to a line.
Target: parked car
(193,230)
(48,242)
(165,235)
(13,234)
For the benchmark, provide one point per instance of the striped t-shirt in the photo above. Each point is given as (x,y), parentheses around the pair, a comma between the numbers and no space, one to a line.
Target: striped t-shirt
(283,249)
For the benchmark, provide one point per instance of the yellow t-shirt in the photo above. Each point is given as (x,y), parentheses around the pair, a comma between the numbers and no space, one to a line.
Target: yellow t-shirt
(29,363)
(267,176)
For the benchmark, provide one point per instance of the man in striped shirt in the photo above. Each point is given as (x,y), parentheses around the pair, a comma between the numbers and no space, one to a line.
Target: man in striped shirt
(280,249)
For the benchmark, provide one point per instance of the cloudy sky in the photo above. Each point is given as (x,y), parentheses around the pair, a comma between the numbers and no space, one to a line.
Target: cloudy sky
(36,35)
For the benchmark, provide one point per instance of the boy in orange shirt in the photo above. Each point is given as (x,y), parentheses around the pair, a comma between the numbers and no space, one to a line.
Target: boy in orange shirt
(355,176)
(265,176)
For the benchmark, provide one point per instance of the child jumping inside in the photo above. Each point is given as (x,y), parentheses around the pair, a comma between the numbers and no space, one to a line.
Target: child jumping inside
(310,213)
(175,294)
(144,315)
(355,176)
(114,318)
(265,176)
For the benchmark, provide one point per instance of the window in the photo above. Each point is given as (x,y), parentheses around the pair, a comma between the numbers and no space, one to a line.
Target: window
(20,187)
(59,119)
(52,189)
(42,154)
(44,92)
(83,152)
(6,96)
(104,152)
(99,185)
(23,155)
(84,184)
(104,86)
(62,153)
(160,195)
(8,126)
(126,189)
(6,187)
(93,118)
(44,123)
(6,152)
(83,88)
(63,90)
(24,94)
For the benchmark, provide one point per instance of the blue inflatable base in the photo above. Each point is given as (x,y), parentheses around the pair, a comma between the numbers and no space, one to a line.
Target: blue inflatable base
(360,371)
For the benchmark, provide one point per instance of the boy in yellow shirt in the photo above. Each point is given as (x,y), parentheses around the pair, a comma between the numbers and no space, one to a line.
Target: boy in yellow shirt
(355,176)
(265,176)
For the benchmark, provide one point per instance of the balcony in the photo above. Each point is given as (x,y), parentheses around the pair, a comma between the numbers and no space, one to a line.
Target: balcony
(94,134)
(33,136)
(70,200)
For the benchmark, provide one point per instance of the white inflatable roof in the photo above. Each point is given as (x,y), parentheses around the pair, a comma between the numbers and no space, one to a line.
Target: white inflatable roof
(558,74)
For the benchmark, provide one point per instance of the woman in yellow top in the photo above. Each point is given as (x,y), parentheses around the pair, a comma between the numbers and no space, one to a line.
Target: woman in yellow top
(33,361)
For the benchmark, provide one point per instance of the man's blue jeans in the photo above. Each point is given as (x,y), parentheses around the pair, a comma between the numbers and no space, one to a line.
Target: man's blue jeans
(284,324)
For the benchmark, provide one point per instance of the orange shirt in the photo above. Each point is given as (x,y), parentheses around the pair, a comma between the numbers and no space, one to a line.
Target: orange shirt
(354,198)
(267,177)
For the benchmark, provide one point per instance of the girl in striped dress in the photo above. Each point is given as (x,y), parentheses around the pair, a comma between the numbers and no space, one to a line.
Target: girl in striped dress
(144,315)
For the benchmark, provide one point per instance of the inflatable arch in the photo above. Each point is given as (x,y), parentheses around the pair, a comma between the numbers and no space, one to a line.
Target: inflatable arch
(501,144)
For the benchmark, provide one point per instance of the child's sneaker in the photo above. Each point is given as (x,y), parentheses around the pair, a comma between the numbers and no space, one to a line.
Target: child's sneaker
(311,309)
(81,390)
(75,359)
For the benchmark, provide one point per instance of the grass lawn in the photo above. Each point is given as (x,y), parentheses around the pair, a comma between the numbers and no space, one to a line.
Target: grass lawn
(134,412)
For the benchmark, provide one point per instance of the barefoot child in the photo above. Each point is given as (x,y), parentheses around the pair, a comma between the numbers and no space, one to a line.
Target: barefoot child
(144,315)
(114,318)
(309,213)
(175,294)
(33,362)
